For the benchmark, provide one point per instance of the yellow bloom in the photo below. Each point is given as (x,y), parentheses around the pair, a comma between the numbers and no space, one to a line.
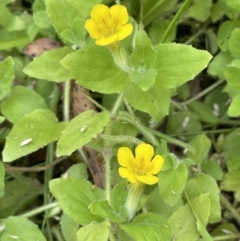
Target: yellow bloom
(142,167)
(108,25)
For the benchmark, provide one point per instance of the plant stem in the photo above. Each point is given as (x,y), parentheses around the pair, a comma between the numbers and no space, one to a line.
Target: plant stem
(39,210)
(206,131)
(204,92)
(66,107)
(107,157)
(175,19)
(229,207)
(172,140)
(117,105)
(225,237)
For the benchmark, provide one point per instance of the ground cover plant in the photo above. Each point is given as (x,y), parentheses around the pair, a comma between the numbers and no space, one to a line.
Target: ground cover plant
(120,120)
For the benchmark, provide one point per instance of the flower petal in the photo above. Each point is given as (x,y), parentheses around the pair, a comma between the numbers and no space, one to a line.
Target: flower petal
(147,179)
(155,165)
(125,158)
(100,15)
(92,29)
(124,31)
(103,41)
(143,154)
(119,14)
(126,173)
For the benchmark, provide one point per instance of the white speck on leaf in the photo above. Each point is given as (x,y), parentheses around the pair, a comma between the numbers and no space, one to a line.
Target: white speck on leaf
(25,142)
(83,128)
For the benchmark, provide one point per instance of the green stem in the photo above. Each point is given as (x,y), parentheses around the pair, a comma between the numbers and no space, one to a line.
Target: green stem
(121,139)
(107,157)
(174,20)
(230,208)
(66,108)
(204,92)
(172,140)
(117,105)
(206,131)
(143,129)
(225,237)
(39,210)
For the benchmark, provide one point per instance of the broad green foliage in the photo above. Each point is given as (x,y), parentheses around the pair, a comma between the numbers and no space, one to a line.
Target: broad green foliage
(81,130)
(206,184)
(48,67)
(147,226)
(17,193)
(74,197)
(200,10)
(30,133)
(183,221)
(94,231)
(22,228)
(231,181)
(21,101)
(69,228)
(172,183)
(6,76)
(155,87)
(93,68)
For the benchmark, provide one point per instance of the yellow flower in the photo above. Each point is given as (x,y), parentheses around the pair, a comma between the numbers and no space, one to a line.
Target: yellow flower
(108,25)
(142,167)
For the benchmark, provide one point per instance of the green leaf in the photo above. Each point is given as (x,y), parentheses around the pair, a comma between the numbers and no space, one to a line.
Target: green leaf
(213,169)
(2,178)
(78,171)
(231,149)
(20,228)
(69,228)
(48,67)
(224,33)
(234,4)
(75,35)
(98,71)
(40,18)
(204,183)
(6,76)
(94,231)
(148,227)
(21,101)
(18,193)
(154,101)
(202,145)
(183,122)
(231,181)
(80,130)
(231,73)
(183,222)
(118,198)
(172,182)
(200,10)
(178,63)
(203,112)
(104,210)
(30,133)
(75,196)
(83,7)
(234,45)
(157,29)
(142,60)
(216,67)
(63,18)
(234,108)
